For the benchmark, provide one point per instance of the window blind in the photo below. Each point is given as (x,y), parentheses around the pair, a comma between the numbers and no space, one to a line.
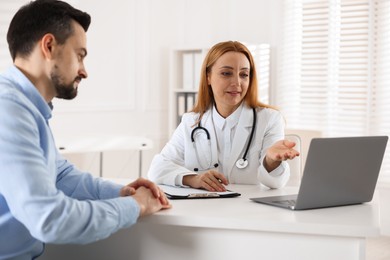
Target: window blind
(262,57)
(333,62)
(380,79)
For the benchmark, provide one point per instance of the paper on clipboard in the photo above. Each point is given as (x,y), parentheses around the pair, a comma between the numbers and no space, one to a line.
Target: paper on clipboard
(174,192)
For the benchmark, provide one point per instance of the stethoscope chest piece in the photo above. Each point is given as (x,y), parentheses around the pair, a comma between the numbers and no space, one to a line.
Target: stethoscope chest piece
(241,163)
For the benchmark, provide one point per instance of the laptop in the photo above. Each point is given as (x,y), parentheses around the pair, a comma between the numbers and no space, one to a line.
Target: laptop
(338,171)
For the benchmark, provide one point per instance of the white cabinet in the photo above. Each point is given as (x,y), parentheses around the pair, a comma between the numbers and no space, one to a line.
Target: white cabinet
(185,68)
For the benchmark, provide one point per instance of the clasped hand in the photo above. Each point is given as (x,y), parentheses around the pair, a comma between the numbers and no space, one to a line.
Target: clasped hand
(147,194)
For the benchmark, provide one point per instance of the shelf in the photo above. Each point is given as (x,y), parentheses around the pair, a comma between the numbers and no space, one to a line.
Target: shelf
(179,90)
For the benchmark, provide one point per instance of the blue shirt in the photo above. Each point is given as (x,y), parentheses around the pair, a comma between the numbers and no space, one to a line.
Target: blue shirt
(43,197)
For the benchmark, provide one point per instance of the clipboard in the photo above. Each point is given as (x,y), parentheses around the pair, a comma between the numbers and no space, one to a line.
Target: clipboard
(174,192)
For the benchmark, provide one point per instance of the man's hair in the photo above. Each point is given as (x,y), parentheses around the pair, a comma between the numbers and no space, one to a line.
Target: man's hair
(37,18)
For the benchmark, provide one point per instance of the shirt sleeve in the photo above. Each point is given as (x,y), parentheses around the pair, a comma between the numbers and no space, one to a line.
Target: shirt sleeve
(82,185)
(29,185)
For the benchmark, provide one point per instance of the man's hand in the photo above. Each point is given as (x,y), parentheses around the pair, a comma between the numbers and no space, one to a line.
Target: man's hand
(130,188)
(148,195)
(148,203)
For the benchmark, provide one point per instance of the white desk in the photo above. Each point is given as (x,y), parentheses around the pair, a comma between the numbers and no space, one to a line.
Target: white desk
(103,143)
(384,200)
(237,228)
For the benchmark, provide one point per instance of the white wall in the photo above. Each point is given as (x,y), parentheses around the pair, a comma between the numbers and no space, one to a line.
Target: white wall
(128,56)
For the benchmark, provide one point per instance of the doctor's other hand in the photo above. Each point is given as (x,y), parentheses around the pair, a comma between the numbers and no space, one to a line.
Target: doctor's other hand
(210,180)
(280,151)
(148,203)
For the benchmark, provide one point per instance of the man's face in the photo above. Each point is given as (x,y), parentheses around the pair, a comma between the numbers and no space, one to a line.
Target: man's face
(68,68)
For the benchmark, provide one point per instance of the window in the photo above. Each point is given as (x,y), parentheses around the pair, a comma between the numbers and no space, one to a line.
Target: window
(332,68)
(7,10)
(262,57)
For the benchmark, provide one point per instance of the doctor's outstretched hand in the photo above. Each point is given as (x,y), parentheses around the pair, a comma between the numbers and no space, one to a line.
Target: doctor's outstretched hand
(280,151)
(210,180)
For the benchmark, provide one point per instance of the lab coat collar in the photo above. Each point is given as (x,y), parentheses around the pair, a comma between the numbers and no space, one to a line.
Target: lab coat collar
(219,121)
(230,122)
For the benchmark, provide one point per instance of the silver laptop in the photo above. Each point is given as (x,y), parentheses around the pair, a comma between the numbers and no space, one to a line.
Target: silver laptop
(338,171)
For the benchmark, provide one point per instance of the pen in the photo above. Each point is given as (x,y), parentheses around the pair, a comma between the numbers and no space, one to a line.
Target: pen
(220,181)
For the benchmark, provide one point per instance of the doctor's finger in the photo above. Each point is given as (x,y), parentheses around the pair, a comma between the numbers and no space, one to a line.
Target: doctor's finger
(207,182)
(288,143)
(207,186)
(286,156)
(291,154)
(220,177)
(219,183)
(216,184)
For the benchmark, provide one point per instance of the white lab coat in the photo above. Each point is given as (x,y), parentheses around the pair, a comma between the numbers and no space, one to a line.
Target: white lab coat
(178,157)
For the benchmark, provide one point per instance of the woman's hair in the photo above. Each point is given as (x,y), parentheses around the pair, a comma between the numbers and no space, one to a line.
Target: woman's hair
(205,94)
(38,18)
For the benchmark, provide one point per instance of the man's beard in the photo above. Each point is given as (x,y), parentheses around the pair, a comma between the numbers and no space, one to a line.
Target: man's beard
(64,91)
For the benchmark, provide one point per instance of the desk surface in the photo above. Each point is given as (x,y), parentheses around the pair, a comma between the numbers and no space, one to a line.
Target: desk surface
(241,213)
(237,228)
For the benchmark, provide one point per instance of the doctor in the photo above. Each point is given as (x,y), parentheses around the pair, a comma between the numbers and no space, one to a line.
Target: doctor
(229,137)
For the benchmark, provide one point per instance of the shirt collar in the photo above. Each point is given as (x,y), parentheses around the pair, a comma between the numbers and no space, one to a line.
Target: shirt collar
(231,121)
(29,90)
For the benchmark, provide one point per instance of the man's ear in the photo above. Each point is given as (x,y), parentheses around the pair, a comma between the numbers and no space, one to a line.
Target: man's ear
(47,45)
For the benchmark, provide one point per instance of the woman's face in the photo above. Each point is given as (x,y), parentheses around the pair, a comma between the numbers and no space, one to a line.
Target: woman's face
(229,81)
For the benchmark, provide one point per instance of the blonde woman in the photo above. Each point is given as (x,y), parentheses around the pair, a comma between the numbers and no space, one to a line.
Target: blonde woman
(229,136)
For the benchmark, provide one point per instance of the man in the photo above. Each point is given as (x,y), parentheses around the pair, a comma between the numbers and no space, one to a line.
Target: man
(44,198)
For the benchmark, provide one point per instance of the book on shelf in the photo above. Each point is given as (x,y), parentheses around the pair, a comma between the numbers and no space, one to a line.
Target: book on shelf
(188,68)
(184,103)
(198,60)
(192,63)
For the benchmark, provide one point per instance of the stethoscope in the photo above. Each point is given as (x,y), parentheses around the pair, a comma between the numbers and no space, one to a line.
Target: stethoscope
(241,163)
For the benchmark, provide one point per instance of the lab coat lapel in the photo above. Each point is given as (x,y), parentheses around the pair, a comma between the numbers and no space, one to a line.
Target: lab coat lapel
(241,137)
(207,122)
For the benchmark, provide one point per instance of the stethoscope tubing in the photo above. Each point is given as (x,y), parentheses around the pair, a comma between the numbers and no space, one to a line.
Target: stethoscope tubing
(251,135)
(199,127)
(241,163)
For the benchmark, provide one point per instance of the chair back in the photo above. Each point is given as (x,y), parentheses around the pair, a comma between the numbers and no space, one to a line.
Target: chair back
(296,163)
(302,138)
